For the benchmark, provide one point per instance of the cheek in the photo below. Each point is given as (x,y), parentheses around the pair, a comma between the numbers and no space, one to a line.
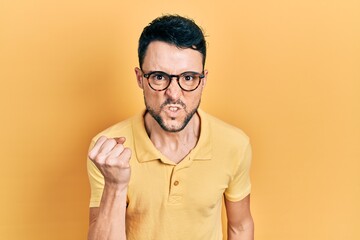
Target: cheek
(194,100)
(153,99)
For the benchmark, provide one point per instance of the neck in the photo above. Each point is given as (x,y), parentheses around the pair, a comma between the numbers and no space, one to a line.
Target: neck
(174,145)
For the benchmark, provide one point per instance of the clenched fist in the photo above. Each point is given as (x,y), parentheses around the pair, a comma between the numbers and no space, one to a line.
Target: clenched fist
(112,159)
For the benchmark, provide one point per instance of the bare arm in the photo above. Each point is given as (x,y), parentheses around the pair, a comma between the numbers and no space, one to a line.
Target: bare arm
(240,222)
(107,222)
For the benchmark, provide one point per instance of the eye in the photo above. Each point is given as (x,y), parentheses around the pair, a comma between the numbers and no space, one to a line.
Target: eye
(188,77)
(157,77)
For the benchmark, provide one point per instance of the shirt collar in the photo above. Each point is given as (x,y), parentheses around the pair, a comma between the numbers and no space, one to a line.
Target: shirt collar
(146,151)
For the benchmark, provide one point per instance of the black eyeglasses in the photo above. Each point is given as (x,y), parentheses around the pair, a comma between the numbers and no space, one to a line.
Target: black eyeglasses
(159,81)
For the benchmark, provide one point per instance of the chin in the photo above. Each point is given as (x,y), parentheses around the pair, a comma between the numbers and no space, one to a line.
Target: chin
(171,123)
(173,126)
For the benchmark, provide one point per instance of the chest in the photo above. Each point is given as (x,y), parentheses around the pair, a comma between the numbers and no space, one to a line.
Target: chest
(196,186)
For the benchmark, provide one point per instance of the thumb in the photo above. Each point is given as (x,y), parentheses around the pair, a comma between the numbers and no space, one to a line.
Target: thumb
(120,140)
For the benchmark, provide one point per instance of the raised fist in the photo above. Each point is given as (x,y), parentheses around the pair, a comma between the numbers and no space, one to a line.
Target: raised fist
(112,159)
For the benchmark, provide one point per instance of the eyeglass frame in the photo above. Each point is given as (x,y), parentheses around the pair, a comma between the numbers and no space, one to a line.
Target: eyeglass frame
(147,76)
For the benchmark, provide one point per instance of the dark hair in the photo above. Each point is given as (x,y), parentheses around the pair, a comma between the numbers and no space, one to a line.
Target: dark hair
(173,29)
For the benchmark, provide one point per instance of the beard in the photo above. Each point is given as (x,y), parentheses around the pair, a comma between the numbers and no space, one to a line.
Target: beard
(160,121)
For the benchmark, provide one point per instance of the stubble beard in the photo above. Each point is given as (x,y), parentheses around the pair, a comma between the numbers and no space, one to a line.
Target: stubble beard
(160,121)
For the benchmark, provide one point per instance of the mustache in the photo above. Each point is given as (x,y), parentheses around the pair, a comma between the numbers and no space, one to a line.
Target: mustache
(169,101)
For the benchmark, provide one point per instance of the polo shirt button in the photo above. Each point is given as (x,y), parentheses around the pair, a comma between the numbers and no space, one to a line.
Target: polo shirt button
(176,183)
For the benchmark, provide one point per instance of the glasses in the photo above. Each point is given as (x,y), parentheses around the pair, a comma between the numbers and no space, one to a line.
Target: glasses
(159,81)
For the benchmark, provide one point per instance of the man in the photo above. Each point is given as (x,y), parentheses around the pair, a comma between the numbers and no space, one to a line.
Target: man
(164,173)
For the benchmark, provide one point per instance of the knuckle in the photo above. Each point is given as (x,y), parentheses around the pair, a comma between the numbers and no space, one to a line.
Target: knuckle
(101,140)
(123,164)
(111,162)
(100,158)
(111,141)
(108,144)
(91,155)
(120,147)
(126,153)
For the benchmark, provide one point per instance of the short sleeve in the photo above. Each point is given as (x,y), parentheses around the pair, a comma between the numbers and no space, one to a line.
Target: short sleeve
(96,182)
(240,185)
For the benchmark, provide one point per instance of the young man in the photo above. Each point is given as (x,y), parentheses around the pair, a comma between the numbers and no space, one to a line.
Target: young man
(163,174)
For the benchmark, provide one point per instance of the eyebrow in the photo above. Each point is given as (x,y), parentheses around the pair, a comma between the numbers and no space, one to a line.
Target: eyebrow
(156,71)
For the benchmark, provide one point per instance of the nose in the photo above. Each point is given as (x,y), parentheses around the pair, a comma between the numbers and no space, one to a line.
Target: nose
(174,90)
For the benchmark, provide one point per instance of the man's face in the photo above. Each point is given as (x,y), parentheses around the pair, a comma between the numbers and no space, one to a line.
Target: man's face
(172,108)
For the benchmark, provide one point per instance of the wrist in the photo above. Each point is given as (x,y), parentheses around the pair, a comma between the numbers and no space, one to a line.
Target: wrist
(115,189)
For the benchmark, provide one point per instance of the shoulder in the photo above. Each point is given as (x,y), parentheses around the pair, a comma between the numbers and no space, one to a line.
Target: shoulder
(224,132)
(120,129)
(229,144)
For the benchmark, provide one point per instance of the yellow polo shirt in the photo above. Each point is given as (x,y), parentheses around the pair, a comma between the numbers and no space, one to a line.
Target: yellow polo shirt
(168,201)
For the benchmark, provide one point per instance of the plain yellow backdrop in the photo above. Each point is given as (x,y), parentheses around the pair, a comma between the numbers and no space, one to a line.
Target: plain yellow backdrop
(286,72)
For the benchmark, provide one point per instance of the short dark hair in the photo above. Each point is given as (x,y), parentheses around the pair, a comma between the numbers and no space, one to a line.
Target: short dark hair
(173,29)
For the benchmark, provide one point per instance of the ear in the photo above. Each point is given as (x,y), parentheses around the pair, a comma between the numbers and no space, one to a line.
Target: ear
(139,77)
(203,81)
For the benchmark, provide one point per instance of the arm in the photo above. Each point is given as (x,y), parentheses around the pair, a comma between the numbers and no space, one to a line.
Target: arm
(240,222)
(108,220)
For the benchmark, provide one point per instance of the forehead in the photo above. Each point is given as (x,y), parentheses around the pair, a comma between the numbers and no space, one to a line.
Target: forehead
(161,56)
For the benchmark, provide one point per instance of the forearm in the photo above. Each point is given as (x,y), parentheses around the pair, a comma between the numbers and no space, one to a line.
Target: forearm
(243,232)
(110,221)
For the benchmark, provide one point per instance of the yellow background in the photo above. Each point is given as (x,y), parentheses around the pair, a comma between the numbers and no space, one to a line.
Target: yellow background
(286,72)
